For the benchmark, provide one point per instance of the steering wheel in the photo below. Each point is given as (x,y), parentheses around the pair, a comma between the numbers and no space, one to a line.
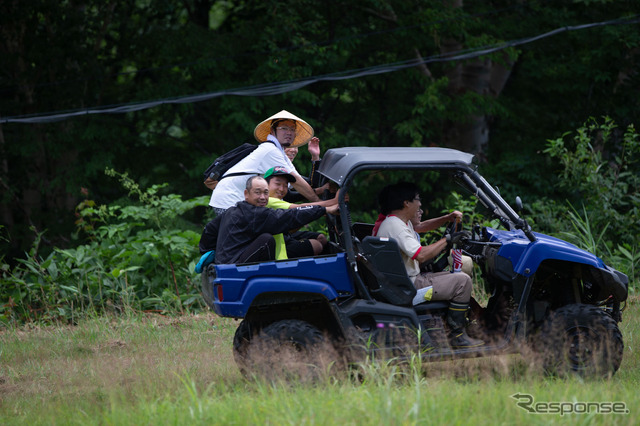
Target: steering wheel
(440,262)
(451,228)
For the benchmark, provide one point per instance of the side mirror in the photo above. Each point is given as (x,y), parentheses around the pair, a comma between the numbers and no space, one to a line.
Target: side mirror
(522,224)
(519,206)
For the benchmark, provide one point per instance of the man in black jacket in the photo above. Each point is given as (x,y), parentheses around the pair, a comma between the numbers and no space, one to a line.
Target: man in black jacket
(244,233)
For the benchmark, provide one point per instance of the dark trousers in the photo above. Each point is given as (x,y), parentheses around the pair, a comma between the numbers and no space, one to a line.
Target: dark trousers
(262,248)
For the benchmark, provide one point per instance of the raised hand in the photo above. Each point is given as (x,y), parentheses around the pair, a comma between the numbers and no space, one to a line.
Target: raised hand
(314,148)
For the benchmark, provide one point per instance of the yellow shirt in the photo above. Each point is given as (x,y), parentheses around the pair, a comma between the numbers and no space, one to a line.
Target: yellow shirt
(281,248)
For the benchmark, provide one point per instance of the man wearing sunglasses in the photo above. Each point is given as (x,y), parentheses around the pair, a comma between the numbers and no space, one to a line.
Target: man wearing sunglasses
(280,131)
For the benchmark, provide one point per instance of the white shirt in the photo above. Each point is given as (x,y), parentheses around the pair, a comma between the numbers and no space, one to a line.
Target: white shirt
(408,242)
(230,190)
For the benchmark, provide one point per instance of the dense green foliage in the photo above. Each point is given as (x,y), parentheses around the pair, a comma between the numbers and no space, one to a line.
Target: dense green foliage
(140,253)
(139,256)
(600,177)
(502,106)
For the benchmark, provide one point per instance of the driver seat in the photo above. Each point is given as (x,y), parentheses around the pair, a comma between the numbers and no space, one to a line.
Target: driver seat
(384,273)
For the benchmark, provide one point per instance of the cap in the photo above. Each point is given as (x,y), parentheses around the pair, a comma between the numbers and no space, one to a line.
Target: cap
(279,171)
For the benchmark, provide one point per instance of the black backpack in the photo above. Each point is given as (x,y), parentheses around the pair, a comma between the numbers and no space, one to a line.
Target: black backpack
(228,160)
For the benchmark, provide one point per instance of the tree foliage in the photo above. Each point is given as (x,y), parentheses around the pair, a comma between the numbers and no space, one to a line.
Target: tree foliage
(599,173)
(139,255)
(502,106)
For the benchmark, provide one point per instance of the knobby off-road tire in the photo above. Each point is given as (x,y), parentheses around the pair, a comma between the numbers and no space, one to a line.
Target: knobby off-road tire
(241,340)
(207,277)
(580,339)
(291,350)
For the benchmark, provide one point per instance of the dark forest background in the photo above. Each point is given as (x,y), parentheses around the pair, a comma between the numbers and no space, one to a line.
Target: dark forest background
(58,56)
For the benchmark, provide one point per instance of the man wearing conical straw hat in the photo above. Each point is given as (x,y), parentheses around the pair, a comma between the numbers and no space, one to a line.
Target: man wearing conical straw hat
(280,131)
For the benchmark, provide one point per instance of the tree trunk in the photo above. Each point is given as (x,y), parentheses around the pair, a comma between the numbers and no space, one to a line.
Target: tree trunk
(6,214)
(482,76)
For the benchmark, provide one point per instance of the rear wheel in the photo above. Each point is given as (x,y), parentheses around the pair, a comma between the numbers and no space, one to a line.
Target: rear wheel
(241,341)
(580,339)
(286,349)
(208,275)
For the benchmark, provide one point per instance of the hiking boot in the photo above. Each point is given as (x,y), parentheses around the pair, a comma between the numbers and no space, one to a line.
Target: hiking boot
(457,321)
(459,339)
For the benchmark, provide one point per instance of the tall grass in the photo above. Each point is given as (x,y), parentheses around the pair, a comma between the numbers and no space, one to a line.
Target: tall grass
(148,369)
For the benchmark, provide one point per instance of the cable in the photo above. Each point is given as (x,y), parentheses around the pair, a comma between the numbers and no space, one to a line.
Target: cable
(270,89)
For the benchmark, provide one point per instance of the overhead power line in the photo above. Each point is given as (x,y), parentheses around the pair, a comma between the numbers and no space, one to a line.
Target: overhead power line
(280,87)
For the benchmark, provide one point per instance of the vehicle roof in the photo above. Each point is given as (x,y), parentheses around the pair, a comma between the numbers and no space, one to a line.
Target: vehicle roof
(338,163)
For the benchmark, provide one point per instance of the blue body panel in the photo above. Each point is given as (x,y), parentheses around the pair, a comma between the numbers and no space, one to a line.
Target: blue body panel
(526,256)
(241,284)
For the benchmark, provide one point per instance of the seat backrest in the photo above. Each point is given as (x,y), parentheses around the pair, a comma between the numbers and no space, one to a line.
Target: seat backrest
(362,230)
(384,271)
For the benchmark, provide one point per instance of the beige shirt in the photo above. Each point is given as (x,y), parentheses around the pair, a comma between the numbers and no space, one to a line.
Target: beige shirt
(408,242)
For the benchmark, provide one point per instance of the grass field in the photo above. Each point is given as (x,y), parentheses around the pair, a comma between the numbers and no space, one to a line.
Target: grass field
(148,369)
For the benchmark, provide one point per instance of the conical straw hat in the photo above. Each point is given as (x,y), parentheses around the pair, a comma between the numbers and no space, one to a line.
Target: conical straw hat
(304,132)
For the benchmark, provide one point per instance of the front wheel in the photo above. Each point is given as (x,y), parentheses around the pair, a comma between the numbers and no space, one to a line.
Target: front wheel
(580,339)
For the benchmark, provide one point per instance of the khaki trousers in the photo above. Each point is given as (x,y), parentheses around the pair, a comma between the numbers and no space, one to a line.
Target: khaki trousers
(455,287)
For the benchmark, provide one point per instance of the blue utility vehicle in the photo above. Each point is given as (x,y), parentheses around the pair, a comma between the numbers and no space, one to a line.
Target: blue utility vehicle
(561,303)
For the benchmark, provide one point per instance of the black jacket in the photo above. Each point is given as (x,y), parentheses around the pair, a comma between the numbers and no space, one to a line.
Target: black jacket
(231,232)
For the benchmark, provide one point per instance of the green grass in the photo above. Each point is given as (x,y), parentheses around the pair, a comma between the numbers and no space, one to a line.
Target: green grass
(155,370)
